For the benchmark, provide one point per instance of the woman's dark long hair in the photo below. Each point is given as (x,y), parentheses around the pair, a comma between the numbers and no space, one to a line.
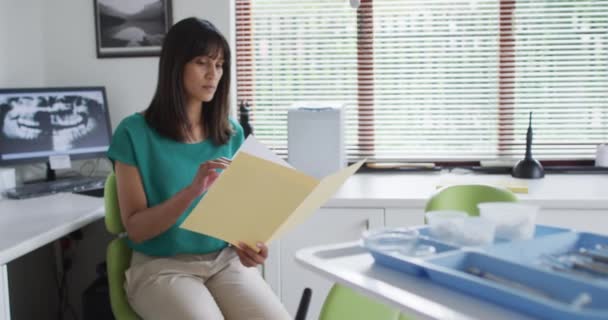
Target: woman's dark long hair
(186,40)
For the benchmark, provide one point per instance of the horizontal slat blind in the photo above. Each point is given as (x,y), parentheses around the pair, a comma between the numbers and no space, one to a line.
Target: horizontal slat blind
(436,88)
(290,51)
(561,74)
(432,79)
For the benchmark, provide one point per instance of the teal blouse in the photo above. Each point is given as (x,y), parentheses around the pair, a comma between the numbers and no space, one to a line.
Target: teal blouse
(167,166)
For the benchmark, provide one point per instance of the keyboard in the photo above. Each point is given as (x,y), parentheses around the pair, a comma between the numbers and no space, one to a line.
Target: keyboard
(82,185)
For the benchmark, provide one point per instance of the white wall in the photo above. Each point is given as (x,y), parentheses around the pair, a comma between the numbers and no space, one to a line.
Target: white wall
(71,60)
(52,43)
(21,45)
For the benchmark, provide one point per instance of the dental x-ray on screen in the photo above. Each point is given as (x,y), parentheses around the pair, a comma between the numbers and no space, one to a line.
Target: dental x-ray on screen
(38,123)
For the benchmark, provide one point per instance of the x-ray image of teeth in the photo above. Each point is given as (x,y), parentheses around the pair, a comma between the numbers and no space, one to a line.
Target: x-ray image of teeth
(52,121)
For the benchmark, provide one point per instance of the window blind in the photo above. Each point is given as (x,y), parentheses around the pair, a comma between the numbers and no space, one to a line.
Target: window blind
(431,79)
(291,51)
(561,74)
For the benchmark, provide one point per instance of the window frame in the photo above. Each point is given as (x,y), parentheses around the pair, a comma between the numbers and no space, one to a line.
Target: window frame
(365,75)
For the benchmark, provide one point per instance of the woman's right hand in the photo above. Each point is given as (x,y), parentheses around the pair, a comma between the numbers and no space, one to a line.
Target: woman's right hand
(207,174)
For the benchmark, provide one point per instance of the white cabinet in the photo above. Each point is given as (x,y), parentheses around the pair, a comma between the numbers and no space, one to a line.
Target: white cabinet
(328,225)
(404,217)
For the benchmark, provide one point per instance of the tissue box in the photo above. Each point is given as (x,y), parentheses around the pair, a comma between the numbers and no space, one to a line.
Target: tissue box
(7,179)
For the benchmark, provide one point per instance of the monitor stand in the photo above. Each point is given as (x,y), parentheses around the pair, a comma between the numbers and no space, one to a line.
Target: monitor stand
(50,173)
(50,176)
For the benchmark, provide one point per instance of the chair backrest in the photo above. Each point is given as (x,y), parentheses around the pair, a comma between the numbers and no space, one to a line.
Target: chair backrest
(110,197)
(118,254)
(466,197)
(344,303)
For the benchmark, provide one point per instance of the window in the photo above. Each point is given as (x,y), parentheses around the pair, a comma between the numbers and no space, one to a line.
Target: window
(432,80)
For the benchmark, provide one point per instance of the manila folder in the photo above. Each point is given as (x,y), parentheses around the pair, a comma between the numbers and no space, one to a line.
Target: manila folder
(255,199)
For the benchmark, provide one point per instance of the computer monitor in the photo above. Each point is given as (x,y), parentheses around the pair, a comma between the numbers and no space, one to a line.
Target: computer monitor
(37,123)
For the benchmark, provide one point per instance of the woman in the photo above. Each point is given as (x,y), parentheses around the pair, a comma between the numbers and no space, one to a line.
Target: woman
(165,159)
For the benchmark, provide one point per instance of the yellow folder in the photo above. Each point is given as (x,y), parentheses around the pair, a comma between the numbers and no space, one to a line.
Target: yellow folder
(511,184)
(256,199)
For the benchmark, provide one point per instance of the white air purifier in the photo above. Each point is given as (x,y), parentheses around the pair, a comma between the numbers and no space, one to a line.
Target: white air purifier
(315,138)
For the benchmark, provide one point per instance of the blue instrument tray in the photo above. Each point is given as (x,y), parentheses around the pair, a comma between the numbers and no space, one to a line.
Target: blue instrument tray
(536,292)
(543,253)
(514,274)
(411,264)
(405,263)
(539,232)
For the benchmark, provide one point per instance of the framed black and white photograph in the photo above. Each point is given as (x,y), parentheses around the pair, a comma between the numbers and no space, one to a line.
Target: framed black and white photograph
(133,28)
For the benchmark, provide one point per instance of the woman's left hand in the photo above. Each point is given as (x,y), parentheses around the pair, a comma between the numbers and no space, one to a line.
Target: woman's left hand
(249,257)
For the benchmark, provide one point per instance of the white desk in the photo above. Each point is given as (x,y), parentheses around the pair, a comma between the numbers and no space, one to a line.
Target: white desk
(26,225)
(395,189)
(352,266)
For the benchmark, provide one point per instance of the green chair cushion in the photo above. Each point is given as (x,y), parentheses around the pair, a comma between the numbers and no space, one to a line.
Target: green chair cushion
(344,303)
(405,317)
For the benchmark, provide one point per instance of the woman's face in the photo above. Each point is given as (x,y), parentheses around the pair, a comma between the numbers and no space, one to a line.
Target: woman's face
(201,77)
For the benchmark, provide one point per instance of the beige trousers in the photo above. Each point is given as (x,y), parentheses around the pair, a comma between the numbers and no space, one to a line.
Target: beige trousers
(210,286)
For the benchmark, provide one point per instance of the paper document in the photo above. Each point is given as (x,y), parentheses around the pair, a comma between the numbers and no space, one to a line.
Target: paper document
(260,196)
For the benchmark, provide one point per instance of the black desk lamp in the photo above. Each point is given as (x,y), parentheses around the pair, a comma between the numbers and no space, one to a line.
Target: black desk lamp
(528,168)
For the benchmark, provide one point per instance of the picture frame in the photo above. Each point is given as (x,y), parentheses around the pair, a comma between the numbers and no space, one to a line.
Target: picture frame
(133,28)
